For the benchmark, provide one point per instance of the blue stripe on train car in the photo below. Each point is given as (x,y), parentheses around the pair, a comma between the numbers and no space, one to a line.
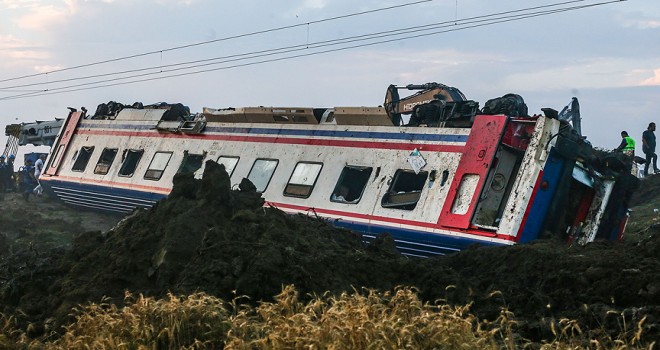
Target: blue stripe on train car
(412,242)
(118,200)
(554,166)
(84,125)
(300,132)
(100,198)
(342,134)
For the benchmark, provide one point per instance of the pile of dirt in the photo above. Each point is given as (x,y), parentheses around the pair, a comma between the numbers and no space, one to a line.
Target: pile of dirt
(206,237)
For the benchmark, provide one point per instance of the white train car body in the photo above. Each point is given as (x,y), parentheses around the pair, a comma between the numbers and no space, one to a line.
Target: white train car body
(436,190)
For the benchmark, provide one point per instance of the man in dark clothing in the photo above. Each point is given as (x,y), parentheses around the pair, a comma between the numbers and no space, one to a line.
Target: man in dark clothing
(648,147)
(4,173)
(28,181)
(11,179)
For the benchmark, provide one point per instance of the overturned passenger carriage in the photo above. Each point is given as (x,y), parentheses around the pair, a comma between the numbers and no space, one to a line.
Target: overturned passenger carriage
(449,177)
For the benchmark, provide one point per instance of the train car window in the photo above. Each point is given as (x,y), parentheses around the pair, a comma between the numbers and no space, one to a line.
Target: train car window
(191,162)
(105,161)
(464,194)
(351,184)
(82,158)
(56,160)
(229,163)
(303,179)
(157,166)
(261,173)
(405,190)
(131,158)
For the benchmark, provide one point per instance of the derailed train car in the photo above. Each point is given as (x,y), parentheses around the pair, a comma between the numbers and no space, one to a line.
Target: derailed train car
(449,176)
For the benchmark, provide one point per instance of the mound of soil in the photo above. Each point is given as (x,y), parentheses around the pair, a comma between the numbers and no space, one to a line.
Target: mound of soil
(206,237)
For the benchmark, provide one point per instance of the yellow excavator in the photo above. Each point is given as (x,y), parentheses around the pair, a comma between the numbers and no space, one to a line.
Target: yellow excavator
(433,104)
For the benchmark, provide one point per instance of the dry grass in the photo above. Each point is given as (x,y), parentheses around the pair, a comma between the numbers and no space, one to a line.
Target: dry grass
(367,320)
(397,320)
(192,322)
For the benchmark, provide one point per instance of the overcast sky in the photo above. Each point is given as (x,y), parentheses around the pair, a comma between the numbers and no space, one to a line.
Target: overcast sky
(606,55)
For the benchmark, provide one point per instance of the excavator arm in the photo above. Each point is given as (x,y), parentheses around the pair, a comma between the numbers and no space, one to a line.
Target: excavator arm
(395,106)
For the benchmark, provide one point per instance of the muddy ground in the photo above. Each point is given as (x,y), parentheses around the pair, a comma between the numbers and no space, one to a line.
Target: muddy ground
(205,237)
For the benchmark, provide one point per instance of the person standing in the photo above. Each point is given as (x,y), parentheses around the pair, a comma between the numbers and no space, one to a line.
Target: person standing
(11,180)
(28,181)
(38,168)
(4,173)
(648,147)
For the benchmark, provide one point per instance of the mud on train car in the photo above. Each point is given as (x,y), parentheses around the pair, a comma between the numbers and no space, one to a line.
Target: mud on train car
(450,176)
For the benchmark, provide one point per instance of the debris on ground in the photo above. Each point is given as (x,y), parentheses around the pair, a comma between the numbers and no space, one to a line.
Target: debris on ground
(206,237)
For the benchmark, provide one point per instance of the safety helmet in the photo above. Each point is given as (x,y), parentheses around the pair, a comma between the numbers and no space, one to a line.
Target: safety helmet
(11,156)
(2,156)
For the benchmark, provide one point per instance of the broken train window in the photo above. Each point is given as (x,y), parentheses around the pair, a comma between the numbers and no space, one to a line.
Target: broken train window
(405,190)
(351,184)
(105,161)
(229,163)
(130,160)
(82,158)
(303,179)
(157,166)
(191,162)
(261,173)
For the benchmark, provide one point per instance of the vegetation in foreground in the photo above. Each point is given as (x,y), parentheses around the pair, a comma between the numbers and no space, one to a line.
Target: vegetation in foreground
(358,320)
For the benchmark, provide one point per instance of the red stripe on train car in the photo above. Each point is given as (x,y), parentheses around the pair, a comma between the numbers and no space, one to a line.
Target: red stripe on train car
(481,233)
(622,227)
(286,140)
(164,190)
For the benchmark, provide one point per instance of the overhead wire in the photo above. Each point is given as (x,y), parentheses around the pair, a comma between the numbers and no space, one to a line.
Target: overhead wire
(467,23)
(387,8)
(88,85)
(306,45)
(335,42)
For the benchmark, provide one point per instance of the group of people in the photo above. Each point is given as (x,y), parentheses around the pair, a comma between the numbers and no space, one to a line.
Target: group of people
(27,176)
(7,180)
(627,146)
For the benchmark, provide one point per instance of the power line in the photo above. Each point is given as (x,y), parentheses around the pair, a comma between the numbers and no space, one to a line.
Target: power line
(301,46)
(480,22)
(71,88)
(218,40)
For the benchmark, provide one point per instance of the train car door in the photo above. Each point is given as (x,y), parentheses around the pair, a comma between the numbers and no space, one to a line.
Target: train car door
(68,129)
(472,171)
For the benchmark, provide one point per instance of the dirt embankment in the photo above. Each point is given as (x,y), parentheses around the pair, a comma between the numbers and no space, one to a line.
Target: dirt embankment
(205,237)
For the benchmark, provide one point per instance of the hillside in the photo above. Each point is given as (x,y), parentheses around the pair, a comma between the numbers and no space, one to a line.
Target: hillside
(205,237)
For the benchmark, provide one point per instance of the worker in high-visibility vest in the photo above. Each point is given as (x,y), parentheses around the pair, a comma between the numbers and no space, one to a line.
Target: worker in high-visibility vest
(627,145)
